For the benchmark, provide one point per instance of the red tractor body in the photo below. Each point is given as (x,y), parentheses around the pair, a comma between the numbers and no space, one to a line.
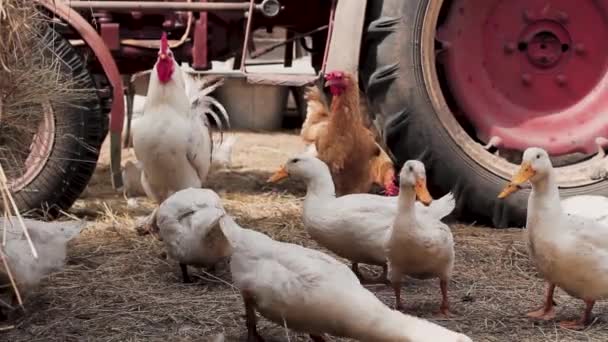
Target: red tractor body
(464,85)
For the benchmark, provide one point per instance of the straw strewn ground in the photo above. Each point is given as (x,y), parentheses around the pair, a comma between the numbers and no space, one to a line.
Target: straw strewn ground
(119,287)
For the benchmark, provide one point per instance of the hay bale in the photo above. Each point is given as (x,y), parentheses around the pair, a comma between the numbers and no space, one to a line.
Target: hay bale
(33,78)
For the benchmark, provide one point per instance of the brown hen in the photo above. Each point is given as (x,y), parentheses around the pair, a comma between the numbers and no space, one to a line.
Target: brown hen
(342,139)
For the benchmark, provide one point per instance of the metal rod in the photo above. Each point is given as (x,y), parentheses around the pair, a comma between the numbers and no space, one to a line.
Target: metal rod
(270,48)
(159,6)
(330,31)
(247,33)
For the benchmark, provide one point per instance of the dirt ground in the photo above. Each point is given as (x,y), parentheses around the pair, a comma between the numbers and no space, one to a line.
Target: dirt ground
(118,287)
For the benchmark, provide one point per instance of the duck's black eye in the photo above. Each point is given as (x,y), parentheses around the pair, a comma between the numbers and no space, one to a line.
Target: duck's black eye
(538,156)
(411,168)
(295,160)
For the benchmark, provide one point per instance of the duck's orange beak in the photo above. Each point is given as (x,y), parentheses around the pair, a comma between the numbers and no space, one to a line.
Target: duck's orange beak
(280,174)
(422,193)
(524,173)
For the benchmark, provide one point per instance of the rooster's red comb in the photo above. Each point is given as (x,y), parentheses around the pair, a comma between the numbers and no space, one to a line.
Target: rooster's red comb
(164,43)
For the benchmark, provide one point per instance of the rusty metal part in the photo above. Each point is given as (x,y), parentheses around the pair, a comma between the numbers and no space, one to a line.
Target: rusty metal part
(247,35)
(570,176)
(200,58)
(343,49)
(288,80)
(148,6)
(110,33)
(101,51)
(530,72)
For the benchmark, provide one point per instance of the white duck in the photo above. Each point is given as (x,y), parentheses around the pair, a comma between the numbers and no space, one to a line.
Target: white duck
(420,245)
(569,251)
(49,239)
(354,226)
(187,234)
(309,291)
(594,207)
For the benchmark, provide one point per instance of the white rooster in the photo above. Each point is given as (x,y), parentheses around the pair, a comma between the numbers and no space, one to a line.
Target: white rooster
(172,142)
(198,89)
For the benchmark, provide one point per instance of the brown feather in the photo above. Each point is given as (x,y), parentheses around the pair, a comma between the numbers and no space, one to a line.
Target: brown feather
(347,146)
(317,115)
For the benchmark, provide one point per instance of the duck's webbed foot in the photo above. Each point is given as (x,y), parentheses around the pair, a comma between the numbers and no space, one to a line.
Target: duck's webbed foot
(546,312)
(581,323)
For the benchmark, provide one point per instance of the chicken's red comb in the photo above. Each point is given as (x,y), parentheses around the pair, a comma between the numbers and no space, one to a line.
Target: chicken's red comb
(164,43)
(334,74)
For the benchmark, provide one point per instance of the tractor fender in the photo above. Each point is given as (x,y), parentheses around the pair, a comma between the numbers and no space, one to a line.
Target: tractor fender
(348,22)
(101,51)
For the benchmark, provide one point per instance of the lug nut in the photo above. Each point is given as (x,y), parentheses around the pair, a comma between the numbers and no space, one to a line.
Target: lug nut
(579,48)
(526,79)
(509,48)
(562,80)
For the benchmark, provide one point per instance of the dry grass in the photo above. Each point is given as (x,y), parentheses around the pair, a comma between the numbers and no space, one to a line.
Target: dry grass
(34,77)
(118,287)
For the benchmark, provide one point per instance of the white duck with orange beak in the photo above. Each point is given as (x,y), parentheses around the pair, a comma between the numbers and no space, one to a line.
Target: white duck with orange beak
(569,251)
(420,245)
(307,290)
(353,226)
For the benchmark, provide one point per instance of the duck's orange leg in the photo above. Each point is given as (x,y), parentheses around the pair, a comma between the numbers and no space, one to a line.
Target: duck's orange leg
(583,321)
(445,302)
(546,312)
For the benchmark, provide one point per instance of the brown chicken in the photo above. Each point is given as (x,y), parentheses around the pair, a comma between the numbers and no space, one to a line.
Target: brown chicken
(342,139)
(317,115)
(381,170)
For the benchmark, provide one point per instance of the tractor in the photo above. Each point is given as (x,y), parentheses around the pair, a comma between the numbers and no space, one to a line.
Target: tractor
(462,85)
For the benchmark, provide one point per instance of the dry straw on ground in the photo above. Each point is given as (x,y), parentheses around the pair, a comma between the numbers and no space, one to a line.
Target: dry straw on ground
(117,286)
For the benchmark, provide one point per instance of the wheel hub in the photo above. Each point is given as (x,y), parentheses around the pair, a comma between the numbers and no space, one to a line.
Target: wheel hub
(544,43)
(26,146)
(531,72)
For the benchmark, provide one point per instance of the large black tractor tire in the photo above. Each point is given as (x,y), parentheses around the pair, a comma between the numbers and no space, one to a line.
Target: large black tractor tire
(392,76)
(80,129)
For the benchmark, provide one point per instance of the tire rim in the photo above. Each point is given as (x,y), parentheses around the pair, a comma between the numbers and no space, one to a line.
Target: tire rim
(26,144)
(547,45)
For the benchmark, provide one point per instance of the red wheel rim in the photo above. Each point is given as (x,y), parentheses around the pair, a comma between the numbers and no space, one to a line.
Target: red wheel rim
(26,145)
(531,72)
